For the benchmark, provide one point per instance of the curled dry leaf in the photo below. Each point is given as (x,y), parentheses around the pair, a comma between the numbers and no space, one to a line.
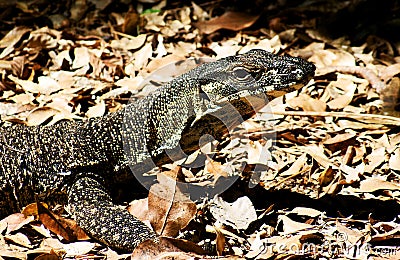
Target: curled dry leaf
(132,43)
(216,169)
(343,100)
(40,115)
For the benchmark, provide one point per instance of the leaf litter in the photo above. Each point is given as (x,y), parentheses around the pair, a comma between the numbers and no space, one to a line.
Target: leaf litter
(335,138)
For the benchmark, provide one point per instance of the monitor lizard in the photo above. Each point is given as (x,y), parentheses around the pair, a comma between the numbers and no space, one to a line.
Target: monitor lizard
(83,164)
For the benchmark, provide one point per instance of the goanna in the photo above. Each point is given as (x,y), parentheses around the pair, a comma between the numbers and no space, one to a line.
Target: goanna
(84,164)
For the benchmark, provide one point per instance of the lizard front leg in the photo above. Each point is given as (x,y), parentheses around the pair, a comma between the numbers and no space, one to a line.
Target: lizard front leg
(93,210)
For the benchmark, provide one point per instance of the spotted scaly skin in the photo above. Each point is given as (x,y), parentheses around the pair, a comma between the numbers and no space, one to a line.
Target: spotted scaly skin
(84,165)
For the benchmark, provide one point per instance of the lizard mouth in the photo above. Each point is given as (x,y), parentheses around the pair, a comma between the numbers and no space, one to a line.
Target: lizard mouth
(270,92)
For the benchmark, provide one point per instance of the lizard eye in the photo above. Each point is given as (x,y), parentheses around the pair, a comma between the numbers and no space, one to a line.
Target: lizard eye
(241,73)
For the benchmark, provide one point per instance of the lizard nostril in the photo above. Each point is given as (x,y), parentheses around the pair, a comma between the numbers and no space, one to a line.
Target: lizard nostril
(298,73)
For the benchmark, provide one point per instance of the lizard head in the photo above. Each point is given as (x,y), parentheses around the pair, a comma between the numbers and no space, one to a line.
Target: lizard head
(252,73)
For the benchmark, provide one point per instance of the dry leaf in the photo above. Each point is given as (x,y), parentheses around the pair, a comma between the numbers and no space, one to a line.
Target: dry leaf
(306,212)
(19,239)
(238,214)
(390,71)
(216,169)
(129,44)
(394,161)
(317,153)
(351,235)
(11,38)
(234,21)
(258,153)
(296,167)
(374,184)
(307,103)
(78,248)
(375,158)
(167,248)
(16,221)
(220,241)
(40,115)
(97,110)
(66,228)
(340,141)
(169,209)
(139,209)
(142,56)
(341,100)
(332,57)
(289,226)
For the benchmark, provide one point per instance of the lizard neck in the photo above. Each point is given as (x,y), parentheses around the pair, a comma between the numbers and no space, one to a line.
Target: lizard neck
(153,125)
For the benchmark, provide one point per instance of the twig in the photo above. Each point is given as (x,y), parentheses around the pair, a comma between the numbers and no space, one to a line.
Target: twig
(383,119)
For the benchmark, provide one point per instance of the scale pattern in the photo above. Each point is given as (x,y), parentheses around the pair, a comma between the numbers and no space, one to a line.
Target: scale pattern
(83,165)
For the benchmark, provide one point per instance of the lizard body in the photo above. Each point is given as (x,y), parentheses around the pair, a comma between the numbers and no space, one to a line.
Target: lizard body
(81,164)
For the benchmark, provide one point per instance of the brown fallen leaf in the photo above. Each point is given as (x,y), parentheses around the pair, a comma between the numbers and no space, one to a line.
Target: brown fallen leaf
(169,209)
(390,71)
(131,21)
(220,241)
(67,228)
(317,153)
(375,159)
(234,21)
(296,167)
(340,142)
